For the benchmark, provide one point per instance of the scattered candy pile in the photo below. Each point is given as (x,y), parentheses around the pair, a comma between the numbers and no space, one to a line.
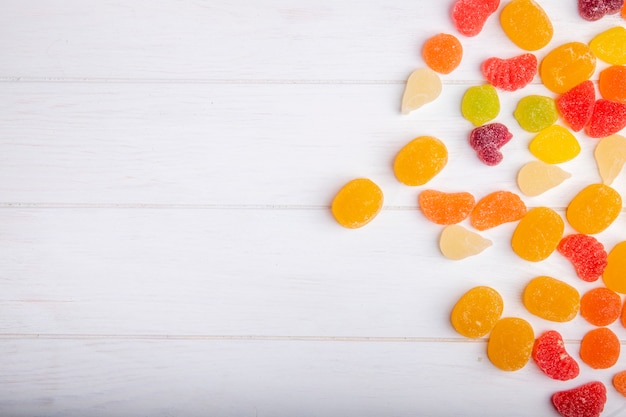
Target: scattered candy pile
(566,72)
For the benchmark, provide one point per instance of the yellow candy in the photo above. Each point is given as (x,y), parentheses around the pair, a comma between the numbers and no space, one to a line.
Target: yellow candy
(614,275)
(610,155)
(594,208)
(551,299)
(610,46)
(537,234)
(423,86)
(566,66)
(420,160)
(476,312)
(456,242)
(526,24)
(534,113)
(537,177)
(357,203)
(511,343)
(554,145)
(480,104)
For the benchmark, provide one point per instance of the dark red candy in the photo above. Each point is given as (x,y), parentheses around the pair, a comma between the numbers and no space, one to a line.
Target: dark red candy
(576,105)
(487,140)
(469,16)
(608,117)
(596,9)
(586,254)
(584,401)
(510,74)
(550,355)
(613,6)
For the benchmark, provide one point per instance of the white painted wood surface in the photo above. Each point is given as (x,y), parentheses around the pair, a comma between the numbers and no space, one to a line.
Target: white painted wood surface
(165,174)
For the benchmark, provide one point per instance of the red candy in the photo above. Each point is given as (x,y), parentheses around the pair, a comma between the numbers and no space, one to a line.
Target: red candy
(510,74)
(584,401)
(586,254)
(469,16)
(608,117)
(550,355)
(576,105)
(596,9)
(487,140)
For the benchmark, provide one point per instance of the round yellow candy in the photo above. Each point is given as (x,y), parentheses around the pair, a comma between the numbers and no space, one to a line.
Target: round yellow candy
(420,160)
(554,145)
(477,311)
(357,203)
(526,24)
(594,208)
(511,343)
(551,299)
(537,234)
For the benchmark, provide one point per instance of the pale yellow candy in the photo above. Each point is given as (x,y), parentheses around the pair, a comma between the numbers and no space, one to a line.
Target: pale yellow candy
(610,45)
(554,145)
(423,86)
(456,242)
(537,177)
(610,155)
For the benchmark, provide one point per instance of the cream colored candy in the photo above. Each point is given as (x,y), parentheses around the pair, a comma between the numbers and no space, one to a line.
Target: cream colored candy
(423,86)
(456,242)
(610,156)
(537,177)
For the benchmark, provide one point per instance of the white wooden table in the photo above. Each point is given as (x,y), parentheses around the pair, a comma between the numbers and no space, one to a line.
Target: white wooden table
(166,168)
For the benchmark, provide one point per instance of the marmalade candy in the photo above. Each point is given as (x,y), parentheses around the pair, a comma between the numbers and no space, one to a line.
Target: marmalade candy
(600,306)
(551,357)
(526,24)
(510,74)
(576,105)
(442,53)
(600,348)
(608,117)
(422,87)
(357,203)
(554,145)
(497,208)
(583,401)
(469,16)
(612,83)
(445,208)
(566,66)
(537,234)
(487,140)
(610,46)
(537,177)
(480,104)
(586,253)
(420,160)
(510,343)
(610,156)
(551,299)
(594,208)
(477,312)
(535,113)
(614,275)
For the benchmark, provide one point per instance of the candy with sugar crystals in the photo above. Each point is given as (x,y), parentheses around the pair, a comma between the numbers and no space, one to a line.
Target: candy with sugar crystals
(526,24)
(480,104)
(510,343)
(566,66)
(552,358)
(477,311)
(600,306)
(610,46)
(608,117)
(576,105)
(487,140)
(510,74)
(537,234)
(593,10)
(469,16)
(497,208)
(554,145)
(551,299)
(594,208)
(600,348)
(420,160)
(612,83)
(445,208)
(357,203)
(583,401)
(586,254)
(535,113)
(614,275)
(442,53)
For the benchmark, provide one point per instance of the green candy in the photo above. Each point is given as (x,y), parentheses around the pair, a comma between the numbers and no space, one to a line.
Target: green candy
(480,104)
(535,113)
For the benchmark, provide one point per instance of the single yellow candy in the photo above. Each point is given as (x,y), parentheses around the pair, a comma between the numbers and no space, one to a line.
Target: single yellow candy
(594,208)
(551,299)
(537,177)
(510,343)
(554,145)
(610,46)
(537,234)
(456,242)
(610,155)
(476,312)
(357,203)
(535,113)
(614,275)
(420,160)
(526,24)
(480,104)
(566,66)
(423,86)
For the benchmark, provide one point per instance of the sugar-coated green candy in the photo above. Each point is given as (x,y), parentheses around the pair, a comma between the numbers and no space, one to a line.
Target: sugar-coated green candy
(480,104)
(535,113)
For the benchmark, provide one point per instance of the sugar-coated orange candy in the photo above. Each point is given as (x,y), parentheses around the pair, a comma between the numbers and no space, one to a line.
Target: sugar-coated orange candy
(600,306)
(566,66)
(477,311)
(594,208)
(497,208)
(357,203)
(510,343)
(600,348)
(442,53)
(445,208)
(526,24)
(614,275)
(612,83)
(537,234)
(551,299)
(619,380)
(420,160)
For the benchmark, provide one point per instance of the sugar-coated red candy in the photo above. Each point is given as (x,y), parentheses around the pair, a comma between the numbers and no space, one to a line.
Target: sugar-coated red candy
(469,16)
(584,401)
(576,105)
(596,9)
(510,74)
(487,140)
(551,357)
(608,117)
(586,254)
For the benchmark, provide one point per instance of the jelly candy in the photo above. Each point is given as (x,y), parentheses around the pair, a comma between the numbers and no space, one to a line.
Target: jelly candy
(619,382)
(600,306)
(554,145)
(610,155)
(497,208)
(442,53)
(592,10)
(510,74)
(535,113)
(537,177)
(526,24)
(566,66)
(423,86)
(510,343)
(537,234)
(584,401)
(551,299)
(476,312)
(357,203)
(480,104)
(594,208)
(610,46)
(552,358)
(608,117)
(456,242)
(612,83)
(586,254)
(469,16)
(487,140)
(614,276)
(623,13)
(600,348)
(420,160)
(576,105)
(445,208)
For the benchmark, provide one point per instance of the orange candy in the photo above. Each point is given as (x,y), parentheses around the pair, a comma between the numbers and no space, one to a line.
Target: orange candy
(357,203)
(445,208)
(600,306)
(619,380)
(551,299)
(594,208)
(600,348)
(537,234)
(442,53)
(614,275)
(511,343)
(420,160)
(566,66)
(612,83)
(497,208)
